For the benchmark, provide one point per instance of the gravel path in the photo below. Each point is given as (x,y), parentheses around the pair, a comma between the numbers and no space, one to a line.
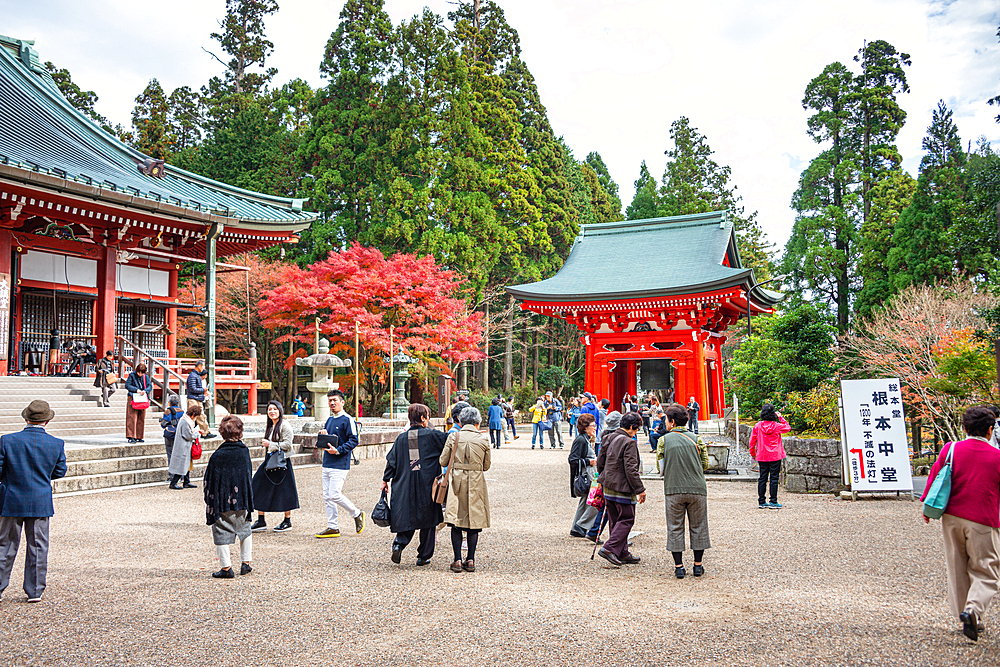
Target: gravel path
(821,582)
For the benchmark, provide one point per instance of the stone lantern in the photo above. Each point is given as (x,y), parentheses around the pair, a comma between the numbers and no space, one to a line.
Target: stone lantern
(399,405)
(322,364)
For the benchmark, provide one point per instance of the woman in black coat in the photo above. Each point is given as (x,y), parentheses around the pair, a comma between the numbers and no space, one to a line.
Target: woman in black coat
(411,465)
(229,497)
(582,456)
(274,490)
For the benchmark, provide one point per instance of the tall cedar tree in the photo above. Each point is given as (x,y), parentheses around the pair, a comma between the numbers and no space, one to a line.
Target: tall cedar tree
(242,38)
(972,237)
(645,203)
(889,199)
(348,143)
(596,162)
(857,118)
(150,122)
(996,100)
(920,254)
(82,100)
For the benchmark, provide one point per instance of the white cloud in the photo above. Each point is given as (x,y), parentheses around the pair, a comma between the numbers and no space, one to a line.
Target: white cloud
(613,73)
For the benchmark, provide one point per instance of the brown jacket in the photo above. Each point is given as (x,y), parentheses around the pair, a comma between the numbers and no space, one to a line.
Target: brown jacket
(618,464)
(468,502)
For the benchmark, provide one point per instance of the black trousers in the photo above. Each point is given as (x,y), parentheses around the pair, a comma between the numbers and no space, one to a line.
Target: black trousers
(768,468)
(426,547)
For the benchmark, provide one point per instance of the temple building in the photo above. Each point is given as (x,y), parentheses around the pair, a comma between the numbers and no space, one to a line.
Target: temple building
(654,300)
(93,233)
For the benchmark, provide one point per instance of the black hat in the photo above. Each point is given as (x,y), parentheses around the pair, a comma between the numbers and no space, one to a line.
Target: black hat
(37,412)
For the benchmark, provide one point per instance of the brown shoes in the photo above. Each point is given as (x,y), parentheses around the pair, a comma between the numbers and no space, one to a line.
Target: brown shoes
(456,566)
(469,565)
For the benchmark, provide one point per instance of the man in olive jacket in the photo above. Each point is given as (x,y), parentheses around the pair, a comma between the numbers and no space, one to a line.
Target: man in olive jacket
(619,467)
(29,461)
(684,488)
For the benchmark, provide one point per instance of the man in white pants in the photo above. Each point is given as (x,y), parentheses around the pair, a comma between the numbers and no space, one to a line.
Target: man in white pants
(336,465)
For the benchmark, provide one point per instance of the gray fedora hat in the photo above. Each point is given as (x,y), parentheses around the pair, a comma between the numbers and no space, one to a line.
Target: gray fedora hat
(38,412)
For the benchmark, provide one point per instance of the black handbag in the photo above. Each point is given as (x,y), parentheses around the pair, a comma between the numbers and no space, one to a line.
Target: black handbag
(581,484)
(382,514)
(276,461)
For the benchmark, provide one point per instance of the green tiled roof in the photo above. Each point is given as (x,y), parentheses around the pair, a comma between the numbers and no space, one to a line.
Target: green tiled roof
(41,132)
(648,258)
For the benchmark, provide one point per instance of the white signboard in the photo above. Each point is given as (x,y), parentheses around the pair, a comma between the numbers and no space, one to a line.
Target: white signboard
(873,439)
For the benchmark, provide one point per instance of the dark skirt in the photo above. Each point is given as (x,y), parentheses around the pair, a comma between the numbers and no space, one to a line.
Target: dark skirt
(275,491)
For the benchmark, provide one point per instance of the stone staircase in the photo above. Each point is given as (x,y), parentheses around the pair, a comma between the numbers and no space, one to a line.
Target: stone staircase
(76,402)
(112,466)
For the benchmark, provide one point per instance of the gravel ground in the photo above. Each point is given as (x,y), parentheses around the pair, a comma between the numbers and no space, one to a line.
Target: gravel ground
(821,582)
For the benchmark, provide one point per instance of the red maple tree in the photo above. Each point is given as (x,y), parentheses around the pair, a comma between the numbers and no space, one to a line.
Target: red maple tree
(420,300)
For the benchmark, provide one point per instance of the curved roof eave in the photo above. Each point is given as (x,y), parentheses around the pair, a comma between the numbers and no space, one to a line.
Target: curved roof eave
(736,279)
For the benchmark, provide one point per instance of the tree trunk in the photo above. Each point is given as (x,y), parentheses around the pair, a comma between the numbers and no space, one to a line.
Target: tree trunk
(508,350)
(534,369)
(486,362)
(524,353)
(463,375)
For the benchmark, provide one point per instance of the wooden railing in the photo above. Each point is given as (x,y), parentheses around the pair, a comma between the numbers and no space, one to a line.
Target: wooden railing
(131,355)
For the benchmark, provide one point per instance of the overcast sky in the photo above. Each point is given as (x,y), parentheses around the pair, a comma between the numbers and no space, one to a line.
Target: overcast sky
(613,73)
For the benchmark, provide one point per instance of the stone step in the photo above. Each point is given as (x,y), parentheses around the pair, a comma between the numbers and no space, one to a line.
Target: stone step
(128,478)
(152,460)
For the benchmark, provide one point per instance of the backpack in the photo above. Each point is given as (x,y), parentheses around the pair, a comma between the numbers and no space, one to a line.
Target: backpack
(169,422)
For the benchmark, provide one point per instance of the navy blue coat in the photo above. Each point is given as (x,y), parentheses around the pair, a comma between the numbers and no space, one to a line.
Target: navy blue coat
(136,383)
(29,461)
(195,387)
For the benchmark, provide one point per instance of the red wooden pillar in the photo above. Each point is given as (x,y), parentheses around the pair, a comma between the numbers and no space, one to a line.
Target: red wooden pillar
(7,351)
(589,368)
(700,385)
(630,386)
(172,315)
(104,324)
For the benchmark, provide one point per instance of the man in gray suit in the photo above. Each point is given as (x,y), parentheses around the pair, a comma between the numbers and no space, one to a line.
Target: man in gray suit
(29,461)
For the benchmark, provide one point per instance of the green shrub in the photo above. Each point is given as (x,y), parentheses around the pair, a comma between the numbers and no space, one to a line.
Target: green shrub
(553,378)
(815,412)
(524,397)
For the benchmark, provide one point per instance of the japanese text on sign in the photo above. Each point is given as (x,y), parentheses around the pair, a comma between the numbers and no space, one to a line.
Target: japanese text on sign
(875,453)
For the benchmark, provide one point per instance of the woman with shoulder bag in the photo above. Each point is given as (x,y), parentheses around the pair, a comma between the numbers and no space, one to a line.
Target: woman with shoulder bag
(274,490)
(583,458)
(139,387)
(105,378)
(971,519)
(169,421)
(468,506)
(181,463)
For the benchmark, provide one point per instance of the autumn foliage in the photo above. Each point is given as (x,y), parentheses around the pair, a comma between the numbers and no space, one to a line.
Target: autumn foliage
(925,337)
(419,299)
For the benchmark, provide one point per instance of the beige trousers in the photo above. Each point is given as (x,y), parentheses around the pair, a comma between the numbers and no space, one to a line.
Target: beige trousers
(202,420)
(971,551)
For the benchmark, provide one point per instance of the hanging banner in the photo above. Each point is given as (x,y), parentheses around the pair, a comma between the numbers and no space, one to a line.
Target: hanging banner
(4,314)
(873,437)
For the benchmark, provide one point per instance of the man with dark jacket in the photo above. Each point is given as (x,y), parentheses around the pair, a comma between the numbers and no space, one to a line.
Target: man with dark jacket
(196,395)
(553,411)
(336,465)
(692,409)
(619,467)
(29,461)
(590,408)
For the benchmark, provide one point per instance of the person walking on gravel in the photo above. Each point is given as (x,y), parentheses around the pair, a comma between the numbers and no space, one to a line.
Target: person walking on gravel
(582,456)
(29,460)
(411,466)
(766,446)
(971,522)
(336,465)
(468,506)
(619,466)
(229,497)
(685,492)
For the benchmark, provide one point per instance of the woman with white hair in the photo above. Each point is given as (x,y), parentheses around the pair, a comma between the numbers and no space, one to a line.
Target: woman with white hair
(467,455)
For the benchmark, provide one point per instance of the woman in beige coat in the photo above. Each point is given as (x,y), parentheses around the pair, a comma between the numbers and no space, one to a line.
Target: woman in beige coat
(468,506)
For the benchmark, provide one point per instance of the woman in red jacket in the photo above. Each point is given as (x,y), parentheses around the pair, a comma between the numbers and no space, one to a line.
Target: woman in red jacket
(971,522)
(766,447)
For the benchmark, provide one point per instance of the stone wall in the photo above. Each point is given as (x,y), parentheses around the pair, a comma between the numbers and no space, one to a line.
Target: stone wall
(813,465)
(372,443)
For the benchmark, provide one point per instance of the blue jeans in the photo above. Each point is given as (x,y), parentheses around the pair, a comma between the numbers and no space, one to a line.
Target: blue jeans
(536,432)
(572,427)
(597,523)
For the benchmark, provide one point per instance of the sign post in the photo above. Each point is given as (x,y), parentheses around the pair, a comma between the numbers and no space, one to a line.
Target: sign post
(873,436)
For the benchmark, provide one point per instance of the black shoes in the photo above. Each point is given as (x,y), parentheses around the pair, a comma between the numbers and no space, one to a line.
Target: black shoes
(610,557)
(595,540)
(132,441)
(574,533)
(259,525)
(680,572)
(423,561)
(173,485)
(245,569)
(225,574)
(969,626)
(631,560)
(397,554)
(697,570)
(207,435)
(283,526)
(188,485)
